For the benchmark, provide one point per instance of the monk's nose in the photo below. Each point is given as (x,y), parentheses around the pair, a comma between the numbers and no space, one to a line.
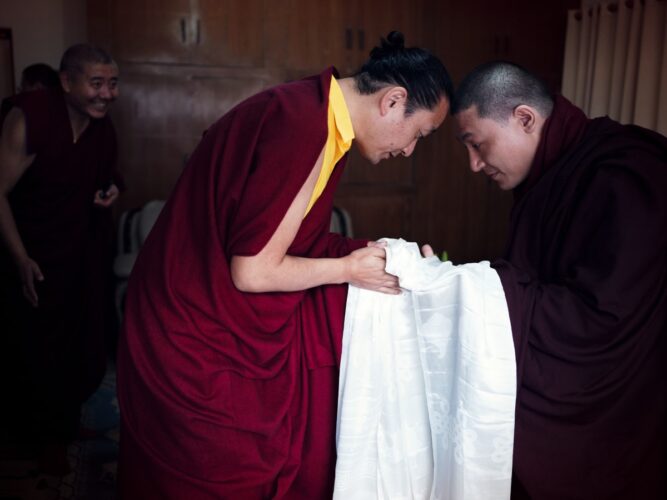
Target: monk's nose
(476,163)
(407,151)
(105,92)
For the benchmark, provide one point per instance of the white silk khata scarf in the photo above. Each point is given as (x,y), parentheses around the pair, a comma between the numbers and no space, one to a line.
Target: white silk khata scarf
(427,385)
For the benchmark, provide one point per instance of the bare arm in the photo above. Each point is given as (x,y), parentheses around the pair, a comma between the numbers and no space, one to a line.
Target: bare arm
(272,270)
(14,161)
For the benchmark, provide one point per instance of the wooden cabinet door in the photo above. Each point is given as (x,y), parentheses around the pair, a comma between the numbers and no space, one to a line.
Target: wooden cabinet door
(380,18)
(305,36)
(162,114)
(534,38)
(151,30)
(367,21)
(377,215)
(202,32)
(228,33)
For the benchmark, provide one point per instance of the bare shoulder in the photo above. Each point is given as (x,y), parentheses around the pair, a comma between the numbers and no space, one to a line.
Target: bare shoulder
(14,159)
(14,130)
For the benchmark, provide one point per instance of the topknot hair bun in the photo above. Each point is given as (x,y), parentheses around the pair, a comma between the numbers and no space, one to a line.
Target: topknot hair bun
(389,47)
(395,40)
(422,74)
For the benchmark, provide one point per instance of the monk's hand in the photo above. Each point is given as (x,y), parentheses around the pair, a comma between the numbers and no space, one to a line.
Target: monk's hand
(427,251)
(106,198)
(30,273)
(366,270)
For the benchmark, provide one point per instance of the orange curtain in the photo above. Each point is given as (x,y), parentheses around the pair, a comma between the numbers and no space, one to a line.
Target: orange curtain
(616,60)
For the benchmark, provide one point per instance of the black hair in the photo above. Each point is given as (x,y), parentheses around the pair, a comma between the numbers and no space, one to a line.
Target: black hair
(77,56)
(40,74)
(424,77)
(497,88)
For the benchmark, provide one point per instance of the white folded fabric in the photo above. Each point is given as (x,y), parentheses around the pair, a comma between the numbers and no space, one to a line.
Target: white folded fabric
(427,385)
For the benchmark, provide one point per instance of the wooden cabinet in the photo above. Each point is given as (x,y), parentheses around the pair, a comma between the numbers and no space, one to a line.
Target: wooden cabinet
(368,21)
(144,30)
(304,37)
(202,32)
(379,213)
(228,32)
(162,114)
(183,64)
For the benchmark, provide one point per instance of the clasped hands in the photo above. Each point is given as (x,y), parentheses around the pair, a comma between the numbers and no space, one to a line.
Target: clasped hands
(368,268)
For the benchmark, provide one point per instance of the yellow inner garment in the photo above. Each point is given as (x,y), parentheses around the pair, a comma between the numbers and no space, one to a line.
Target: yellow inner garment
(339,139)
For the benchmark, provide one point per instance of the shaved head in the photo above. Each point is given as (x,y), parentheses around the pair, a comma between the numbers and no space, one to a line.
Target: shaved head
(497,88)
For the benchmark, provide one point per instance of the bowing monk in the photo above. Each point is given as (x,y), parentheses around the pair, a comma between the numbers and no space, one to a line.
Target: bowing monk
(585,277)
(228,361)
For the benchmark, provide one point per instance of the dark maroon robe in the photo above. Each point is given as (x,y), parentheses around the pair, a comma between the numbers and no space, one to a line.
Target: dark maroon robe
(226,394)
(585,276)
(53,356)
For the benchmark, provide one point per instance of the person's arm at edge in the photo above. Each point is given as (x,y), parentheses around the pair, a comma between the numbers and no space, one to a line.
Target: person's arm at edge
(272,270)
(14,161)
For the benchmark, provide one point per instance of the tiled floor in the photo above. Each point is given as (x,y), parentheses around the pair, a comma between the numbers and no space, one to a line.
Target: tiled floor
(93,460)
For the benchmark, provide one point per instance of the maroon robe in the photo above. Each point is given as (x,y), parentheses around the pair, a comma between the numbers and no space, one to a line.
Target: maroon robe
(226,394)
(585,276)
(53,357)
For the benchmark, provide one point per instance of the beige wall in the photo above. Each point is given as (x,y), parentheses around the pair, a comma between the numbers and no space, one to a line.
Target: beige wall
(42,29)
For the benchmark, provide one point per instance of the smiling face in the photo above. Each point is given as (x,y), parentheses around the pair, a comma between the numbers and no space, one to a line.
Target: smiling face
(502,150)
(392,133)
(91,92)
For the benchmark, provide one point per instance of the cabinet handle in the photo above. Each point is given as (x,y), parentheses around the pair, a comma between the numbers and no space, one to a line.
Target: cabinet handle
(183,33)
(361,39)
(198,31)
(348,38)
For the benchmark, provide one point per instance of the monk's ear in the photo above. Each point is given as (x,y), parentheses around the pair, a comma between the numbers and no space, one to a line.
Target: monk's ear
(527,117)
(392,99)
(64,81)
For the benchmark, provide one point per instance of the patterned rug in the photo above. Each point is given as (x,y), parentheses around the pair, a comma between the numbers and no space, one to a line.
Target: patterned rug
(93,458)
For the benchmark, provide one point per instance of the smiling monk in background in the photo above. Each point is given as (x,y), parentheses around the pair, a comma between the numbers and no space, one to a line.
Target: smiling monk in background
(57,181)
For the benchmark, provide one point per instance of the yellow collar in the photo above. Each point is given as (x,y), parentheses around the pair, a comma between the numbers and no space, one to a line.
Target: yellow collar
(341,113)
